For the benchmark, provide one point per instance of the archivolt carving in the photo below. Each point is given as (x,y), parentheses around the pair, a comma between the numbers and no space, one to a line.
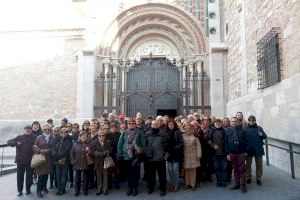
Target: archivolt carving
(179,44)
(136,12)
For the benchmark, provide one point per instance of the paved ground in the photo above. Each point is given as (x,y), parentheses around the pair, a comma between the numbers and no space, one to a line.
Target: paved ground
(277,185)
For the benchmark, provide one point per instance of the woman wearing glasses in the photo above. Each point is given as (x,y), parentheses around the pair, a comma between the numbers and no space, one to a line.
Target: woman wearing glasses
(44,145)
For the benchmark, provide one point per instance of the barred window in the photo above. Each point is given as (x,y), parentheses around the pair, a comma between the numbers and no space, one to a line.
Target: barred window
(268,59)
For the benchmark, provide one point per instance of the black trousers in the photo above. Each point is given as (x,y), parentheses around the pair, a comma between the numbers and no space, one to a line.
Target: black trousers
(21,169)
(132,169)
(71,174)
(160,168)
(53,180)
(42,183)
(85,184)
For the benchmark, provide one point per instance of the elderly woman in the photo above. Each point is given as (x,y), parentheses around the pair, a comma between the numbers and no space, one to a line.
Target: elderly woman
(44,145)
(101,150)
(192,154)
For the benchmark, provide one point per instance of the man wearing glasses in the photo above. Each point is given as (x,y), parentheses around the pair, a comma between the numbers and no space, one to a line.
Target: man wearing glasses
(254,136)
(235,144)
(129,149)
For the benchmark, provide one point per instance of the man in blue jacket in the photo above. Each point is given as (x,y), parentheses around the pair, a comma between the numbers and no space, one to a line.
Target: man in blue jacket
(236,147)
(254,136)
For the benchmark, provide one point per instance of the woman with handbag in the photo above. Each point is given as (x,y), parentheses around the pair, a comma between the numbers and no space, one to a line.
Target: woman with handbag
(101,151)
(44,145)
(79,155)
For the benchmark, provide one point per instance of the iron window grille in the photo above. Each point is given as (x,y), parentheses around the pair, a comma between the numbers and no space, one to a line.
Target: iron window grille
(268,59)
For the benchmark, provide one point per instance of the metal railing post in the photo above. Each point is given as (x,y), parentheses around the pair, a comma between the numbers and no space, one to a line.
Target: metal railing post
(2,161)
(267,152)
(292,160)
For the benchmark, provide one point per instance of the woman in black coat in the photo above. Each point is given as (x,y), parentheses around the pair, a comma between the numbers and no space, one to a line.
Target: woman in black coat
(175,153)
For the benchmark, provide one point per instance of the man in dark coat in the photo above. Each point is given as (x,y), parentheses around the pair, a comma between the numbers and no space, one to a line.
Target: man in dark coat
(155,148)
(236,147)
(24,152)
(61,157)
(254,136)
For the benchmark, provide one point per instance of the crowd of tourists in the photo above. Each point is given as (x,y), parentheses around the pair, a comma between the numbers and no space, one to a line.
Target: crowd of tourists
(102,153)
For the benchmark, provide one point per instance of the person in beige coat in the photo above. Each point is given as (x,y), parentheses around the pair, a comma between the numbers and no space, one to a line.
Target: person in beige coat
(192,155)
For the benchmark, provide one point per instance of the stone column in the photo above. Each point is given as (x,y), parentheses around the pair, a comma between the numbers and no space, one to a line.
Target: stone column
(85,84)
(217,66)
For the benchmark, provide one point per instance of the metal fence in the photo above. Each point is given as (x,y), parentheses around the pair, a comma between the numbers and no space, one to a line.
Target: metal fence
(290,150)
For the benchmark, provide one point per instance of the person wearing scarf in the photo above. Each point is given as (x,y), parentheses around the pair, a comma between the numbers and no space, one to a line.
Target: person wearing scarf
(130,144)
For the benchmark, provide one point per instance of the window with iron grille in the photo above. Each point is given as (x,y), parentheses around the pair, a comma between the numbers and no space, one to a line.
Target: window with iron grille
(268,59)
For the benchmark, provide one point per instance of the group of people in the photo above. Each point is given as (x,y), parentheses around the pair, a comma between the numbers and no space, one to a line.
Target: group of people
(104,152)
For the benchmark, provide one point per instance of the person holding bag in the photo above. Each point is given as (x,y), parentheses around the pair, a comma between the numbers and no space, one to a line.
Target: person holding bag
(100,152)
(24,152)
(44,145)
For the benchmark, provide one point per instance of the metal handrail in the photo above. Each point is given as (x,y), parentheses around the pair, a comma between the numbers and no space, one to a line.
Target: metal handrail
(2,154)
(290,150)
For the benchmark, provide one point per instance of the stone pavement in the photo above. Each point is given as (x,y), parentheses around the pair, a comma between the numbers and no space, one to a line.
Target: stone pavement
(277,185)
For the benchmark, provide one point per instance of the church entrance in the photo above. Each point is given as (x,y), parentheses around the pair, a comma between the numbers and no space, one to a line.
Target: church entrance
(153,85)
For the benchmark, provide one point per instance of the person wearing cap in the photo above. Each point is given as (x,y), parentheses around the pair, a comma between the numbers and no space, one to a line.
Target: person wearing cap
(64,121)
(217,143)
(254,136)
(24,152)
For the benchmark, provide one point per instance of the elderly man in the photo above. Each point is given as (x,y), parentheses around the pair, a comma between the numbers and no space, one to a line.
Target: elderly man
(23,144)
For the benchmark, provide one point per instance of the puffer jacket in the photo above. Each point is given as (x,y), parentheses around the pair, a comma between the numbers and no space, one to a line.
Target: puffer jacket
(156,140)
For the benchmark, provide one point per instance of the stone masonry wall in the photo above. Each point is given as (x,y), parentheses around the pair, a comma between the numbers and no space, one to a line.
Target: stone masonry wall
(38,74)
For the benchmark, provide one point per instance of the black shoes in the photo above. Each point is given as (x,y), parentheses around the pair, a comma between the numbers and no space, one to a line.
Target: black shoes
(150,191)
(98,193)
(236,187)
(28,192)
(258,182)
(105,192)
(244,189)
(249,181)
(162,194)
(129,192)
(135,192)
(19,194)
(76,194)
(39,194)
(85,193)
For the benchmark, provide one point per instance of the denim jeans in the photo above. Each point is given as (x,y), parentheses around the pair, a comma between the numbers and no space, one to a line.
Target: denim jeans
(173,169)
(220,164)
(61,176)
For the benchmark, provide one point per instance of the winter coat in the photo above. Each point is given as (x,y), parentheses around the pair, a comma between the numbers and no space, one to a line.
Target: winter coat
(192,151)
(114,139)
(41,146)
(213,140)
(174,146)
(24,150)
(238,147)
(62,149)
(254,141)
(99,152)
(157,142)
(78,156)
(139,139)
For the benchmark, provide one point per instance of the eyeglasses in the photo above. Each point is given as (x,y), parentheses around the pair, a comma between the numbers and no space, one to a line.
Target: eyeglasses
(154,124)
(130,123)
(196,115)
(46,129)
